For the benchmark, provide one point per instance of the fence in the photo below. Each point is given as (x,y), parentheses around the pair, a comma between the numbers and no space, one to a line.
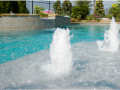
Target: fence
(46,4)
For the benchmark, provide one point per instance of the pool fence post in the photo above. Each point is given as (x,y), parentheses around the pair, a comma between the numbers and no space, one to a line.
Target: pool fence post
(94,9)
(49,5)
(32,6)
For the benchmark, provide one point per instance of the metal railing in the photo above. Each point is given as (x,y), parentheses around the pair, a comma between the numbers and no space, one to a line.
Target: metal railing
(44,2)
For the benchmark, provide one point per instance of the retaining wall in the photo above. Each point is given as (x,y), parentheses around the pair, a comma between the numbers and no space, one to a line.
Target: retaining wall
(33,22)
(20,23)
(47,23)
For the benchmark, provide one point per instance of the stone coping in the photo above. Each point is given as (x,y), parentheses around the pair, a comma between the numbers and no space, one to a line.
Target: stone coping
(17,14)
(93,23)
(51,15)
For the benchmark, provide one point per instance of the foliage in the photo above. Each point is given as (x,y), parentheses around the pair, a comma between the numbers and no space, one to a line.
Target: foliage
(22,6)
(97,18)
(5,6)
(117,19)
(36,9)
(78,3)
(87,17)
(72,19)
(57,7)
(82,9)
(113,11)
(117,6)
(41,9)
(99,8)
(14,6)
(43,15)
(78,17)
(62,14)
(67,7)
(28,11)
(108,16)
(91,17)
(83,2)
(83,21)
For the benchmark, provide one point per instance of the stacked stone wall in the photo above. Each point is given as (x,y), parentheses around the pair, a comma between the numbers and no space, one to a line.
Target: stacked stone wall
(15,22)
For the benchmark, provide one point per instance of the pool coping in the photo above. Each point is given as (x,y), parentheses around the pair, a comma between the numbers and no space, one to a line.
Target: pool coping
(92,23)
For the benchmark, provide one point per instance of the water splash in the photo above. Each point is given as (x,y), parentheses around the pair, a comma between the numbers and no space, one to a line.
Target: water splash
(60,53)
(111,38)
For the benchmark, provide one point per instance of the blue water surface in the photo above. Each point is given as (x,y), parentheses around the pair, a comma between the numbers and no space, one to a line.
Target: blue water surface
(16,44)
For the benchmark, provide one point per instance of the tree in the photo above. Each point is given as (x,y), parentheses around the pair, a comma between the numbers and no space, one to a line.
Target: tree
(117,6)
(57,7)
(113,11)
(14,6)
(22,6)
(78,3)
(99,8)
(5,6)
(36,9)
(67,7)
(41,9)
(82,10)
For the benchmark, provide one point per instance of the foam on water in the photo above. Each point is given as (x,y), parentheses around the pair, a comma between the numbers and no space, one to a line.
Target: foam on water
(111,38)
(91,69)
(85,67)
(60,53)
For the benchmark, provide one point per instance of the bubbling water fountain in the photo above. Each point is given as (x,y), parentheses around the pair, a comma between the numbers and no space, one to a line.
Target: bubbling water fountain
(111,38)
(55,69)
(60,53)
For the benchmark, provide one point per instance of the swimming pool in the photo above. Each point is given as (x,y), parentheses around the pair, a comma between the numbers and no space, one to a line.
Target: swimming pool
(16,44)
(90,68)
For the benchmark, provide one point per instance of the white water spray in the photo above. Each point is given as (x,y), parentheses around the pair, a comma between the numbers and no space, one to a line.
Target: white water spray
(60,52)
(111,38)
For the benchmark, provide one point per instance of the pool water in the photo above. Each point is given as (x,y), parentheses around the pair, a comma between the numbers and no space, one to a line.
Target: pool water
(16,44)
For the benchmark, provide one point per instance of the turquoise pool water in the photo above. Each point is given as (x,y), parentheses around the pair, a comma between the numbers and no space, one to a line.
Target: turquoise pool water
(16,44)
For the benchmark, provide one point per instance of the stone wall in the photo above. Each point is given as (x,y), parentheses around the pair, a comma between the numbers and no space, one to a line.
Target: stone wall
(20,23)
(33,22)
(66,20)
(60,21)
(47,23)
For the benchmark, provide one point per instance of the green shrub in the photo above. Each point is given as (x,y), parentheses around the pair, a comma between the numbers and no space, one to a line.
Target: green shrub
(62,14)
(118,16)
(0,14)
(117,19)
(113,11)
(82,10)
(97,18)
(106,16)
(72,16)
(87,17)
(78,17)
(109,16)
(91,17)
(72,19)
(43,15)
(83,21)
